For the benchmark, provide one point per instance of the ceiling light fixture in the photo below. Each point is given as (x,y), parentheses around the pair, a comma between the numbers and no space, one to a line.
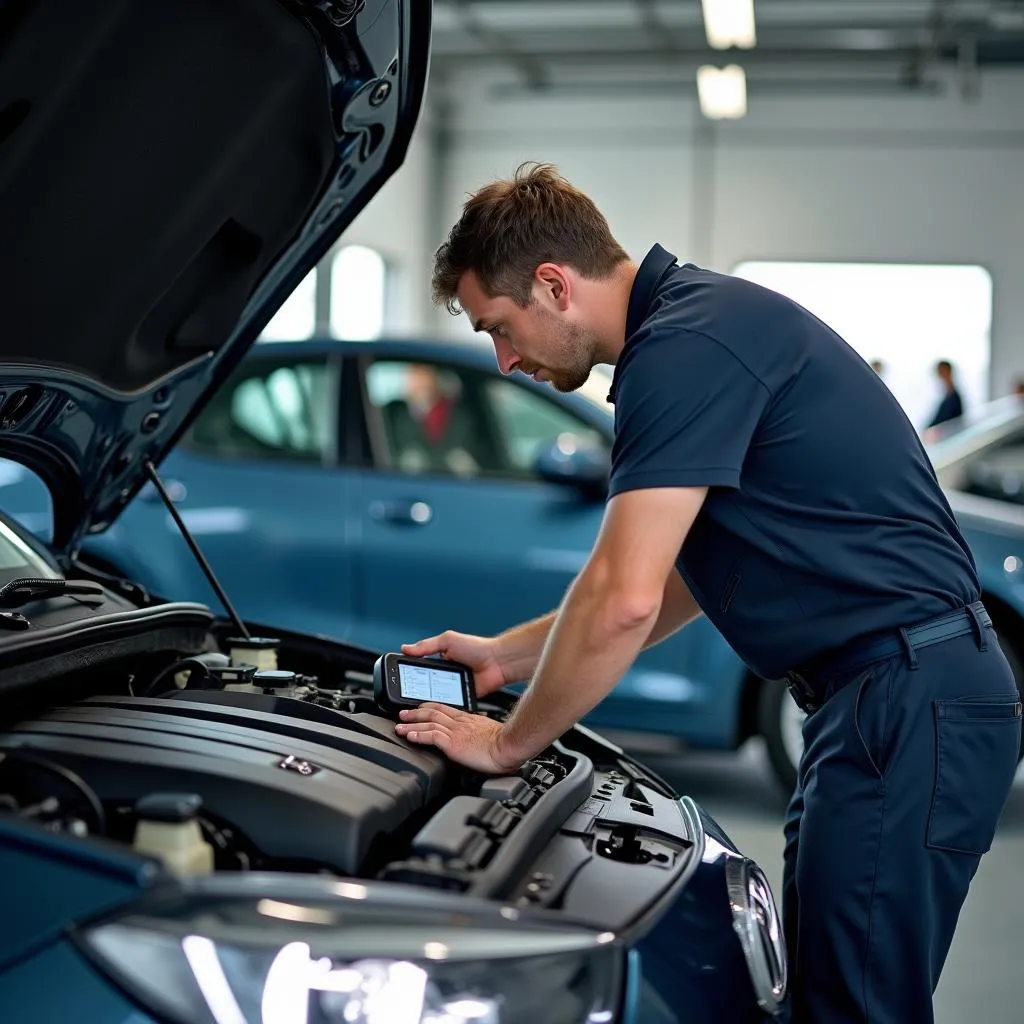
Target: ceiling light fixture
(729,23)
(722,91)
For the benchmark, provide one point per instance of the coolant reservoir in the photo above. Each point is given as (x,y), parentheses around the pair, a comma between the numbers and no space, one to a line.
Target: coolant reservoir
(260,651)
(277,682)
(167,828)
(281,683)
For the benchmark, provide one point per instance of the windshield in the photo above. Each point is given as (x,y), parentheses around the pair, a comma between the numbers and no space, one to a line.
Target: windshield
(18,559)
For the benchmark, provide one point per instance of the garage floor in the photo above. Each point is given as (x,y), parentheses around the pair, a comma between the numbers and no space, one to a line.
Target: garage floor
(983,969)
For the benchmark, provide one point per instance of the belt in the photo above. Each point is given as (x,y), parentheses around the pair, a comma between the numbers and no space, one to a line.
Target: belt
(807,683)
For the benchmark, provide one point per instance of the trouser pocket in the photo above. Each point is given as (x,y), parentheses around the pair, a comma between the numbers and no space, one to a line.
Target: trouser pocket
(977,741)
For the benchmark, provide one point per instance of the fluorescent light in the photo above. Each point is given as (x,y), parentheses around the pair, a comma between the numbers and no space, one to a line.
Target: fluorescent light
(358,296)
(722,91)
(729,23)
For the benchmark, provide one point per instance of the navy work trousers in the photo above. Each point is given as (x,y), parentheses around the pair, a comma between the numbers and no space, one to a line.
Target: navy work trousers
(905,771)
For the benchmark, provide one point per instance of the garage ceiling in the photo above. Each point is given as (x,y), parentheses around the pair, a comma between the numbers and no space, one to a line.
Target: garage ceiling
(801,44)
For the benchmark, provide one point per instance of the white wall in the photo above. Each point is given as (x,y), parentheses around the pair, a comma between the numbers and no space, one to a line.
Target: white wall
(396,224)
(899,178)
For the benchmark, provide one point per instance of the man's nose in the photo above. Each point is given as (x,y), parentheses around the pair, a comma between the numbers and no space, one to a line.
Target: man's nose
(508,358)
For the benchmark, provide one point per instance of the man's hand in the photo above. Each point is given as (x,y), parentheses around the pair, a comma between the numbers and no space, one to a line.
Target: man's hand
(470,740)
(478,652)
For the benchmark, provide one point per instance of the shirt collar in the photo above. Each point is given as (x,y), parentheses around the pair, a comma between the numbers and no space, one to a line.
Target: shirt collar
(641,295)
(648,277)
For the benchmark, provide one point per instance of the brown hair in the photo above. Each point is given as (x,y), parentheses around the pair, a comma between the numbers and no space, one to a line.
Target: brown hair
(508,228)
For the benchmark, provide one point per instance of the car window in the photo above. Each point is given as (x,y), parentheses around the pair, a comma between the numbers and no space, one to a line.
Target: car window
(531,423)
(449,420)
(26,499)
(433,418)
(19,557)
(997,472)
(275,411)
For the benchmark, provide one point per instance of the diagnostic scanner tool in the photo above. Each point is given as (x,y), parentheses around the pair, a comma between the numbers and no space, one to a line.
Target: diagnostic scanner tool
(400,682)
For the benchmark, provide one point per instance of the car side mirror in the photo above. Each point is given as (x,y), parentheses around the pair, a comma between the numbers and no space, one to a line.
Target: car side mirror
(575,461)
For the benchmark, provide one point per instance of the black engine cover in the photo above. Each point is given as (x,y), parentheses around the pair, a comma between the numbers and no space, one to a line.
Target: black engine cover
(302,782)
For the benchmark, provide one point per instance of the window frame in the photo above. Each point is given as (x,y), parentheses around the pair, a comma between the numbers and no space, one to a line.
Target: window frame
(377,455)
(262,364)
(563,408)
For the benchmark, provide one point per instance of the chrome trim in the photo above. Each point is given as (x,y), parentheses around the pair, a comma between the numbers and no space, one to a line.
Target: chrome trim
(755,919)
(991,511)
(694,826)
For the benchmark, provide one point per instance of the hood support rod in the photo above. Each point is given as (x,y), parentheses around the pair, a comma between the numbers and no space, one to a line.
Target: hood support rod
(194,548)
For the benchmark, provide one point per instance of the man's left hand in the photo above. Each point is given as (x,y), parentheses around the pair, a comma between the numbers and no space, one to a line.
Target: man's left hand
(471,740)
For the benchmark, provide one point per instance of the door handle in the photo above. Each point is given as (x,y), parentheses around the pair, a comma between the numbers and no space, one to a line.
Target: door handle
(405,513)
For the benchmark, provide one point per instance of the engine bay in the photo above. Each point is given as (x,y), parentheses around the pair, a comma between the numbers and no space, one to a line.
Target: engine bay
(207,763)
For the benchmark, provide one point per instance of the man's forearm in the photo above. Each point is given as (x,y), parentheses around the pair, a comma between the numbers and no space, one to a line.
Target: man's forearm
(519,648)
(594,639)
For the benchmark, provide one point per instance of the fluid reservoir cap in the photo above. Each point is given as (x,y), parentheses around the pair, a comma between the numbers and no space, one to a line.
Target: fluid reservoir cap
(255,643)
(274,679)
(170,807)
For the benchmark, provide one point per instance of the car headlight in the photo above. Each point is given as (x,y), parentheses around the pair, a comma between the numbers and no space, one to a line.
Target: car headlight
(755,919)
(271,961)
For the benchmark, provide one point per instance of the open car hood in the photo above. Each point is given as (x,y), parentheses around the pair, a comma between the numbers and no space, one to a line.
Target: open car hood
(168,174)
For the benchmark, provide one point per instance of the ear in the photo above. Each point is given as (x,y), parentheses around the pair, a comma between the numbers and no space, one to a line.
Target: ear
(555,283)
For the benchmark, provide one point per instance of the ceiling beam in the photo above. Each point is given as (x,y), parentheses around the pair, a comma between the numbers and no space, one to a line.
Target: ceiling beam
(686,56)
(661,36)
(533,70)
(537,50)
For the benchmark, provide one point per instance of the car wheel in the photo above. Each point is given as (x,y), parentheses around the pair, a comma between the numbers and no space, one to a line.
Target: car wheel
(781,724)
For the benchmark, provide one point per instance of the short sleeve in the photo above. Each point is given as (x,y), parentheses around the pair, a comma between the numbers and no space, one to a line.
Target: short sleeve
(686,409)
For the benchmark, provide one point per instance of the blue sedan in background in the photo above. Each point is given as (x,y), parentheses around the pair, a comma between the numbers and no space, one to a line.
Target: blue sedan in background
(384,491)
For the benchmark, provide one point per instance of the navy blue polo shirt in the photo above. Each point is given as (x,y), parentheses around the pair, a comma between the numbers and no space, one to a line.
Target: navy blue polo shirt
(824,521)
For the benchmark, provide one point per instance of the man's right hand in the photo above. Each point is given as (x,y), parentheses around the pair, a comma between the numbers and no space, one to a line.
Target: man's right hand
(480,653)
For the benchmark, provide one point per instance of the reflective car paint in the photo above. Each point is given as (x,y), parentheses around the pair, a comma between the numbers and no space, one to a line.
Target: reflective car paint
(57,983)
(80,881)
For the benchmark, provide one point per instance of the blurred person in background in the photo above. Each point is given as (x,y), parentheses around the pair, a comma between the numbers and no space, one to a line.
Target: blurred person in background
(430,404)
(430,429)
(951,406)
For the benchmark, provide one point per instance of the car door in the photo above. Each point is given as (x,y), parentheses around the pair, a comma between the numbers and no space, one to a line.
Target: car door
(258,482)
(456,530)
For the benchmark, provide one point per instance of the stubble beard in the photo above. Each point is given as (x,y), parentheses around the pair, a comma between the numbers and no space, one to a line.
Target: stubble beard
(576,354)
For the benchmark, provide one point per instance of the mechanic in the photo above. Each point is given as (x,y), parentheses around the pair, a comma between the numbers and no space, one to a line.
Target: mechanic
(761,474)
